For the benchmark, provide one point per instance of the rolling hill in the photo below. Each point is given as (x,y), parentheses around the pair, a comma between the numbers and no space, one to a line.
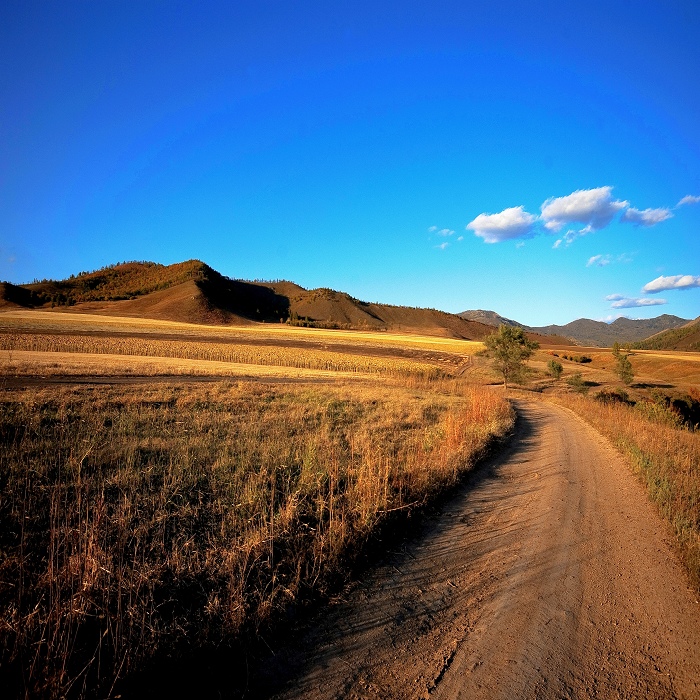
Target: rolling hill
(686,337)
(490,318)
(193,292)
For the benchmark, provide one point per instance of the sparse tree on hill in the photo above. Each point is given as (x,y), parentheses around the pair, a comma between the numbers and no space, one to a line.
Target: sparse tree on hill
(555,368)
(623,366)
(510,348)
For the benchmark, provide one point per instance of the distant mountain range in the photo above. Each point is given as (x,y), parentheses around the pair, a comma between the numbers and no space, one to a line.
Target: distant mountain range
(585,331)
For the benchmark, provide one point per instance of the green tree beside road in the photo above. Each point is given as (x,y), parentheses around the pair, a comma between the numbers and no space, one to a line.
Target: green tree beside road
(623,366)
(510,348)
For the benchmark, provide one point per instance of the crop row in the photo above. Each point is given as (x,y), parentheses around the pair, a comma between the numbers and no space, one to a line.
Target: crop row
(220,352)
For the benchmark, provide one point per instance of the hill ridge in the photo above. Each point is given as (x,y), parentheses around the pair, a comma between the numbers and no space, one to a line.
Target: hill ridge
(194,292)
(586,331)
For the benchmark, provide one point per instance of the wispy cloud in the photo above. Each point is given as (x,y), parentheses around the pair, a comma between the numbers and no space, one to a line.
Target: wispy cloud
(506,225)
(445,232)
(603,260)
(622,302)
(432,229)
(661,284)
(594,208)
(442,246)
(569,237)
(688,199)
(647,217)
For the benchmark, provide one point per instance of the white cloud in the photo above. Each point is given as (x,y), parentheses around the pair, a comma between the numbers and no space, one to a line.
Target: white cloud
(510,223)
(442,246)
(445,232)
(627,303)
(689,199)
(460,238)
(614,297)
(595,208)
(599,261)
(662,283)
(648,217)
(432,229)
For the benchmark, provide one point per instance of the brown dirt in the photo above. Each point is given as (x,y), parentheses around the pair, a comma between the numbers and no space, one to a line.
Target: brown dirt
(549,576)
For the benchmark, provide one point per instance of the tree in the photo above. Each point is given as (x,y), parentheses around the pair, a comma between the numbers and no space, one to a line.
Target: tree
(510,348)
(555,368)
(623,366)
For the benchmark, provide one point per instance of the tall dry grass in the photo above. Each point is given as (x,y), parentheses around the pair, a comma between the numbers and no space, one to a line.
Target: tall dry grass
(136,522)
(666,457)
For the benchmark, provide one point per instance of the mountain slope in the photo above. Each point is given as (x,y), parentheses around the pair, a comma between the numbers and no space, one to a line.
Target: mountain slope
(686,337)
(196,293)
(490,318)
(585,331)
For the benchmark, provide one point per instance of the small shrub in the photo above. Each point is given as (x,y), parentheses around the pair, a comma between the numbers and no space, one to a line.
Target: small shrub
(577,383)
(555,368)
(613,396)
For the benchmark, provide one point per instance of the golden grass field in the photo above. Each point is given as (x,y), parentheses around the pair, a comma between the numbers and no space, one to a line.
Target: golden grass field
(138,517)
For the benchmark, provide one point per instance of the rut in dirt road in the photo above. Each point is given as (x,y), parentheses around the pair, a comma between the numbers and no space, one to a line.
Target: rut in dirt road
(549,576)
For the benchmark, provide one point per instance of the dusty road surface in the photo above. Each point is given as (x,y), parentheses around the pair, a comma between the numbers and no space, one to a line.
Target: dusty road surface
(549,576)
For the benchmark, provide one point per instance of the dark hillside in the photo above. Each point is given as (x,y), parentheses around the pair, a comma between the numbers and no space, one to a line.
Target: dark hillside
(12,295)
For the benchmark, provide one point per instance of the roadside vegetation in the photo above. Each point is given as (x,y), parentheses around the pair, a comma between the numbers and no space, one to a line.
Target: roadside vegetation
(662,442)
(143,521)
(510,349)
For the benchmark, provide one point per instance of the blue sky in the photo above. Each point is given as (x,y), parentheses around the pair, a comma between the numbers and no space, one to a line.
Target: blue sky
(341,147)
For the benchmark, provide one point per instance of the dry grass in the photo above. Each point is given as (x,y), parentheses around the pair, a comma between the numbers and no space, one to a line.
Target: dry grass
(20,363)
(138,521)
(75,323)
(664,455)
(276,356)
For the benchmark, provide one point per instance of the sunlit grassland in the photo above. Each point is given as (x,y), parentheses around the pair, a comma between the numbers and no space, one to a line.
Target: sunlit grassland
(669,369)
(140,520)
(664,455)
(51,322)
(279,355)
(19,363)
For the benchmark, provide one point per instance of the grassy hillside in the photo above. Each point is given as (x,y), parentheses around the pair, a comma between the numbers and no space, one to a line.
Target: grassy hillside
(686,337)
(193,292)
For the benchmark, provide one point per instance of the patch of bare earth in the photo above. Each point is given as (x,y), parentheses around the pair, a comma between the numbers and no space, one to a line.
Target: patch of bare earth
(549,576)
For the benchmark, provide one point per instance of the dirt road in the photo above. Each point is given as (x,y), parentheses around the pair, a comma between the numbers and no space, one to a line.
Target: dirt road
(549,576)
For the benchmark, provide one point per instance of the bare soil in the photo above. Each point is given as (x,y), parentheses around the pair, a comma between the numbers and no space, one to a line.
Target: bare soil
(550,575)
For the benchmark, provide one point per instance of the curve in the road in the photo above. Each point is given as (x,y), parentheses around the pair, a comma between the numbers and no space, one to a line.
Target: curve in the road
(549,576)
